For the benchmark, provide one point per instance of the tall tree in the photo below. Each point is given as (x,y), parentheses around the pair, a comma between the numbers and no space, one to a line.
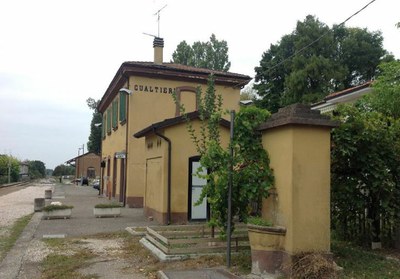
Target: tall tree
(94,143)
(211,55)
(9,166)
(37,169)
(386,97)
(63,170)
(314,60)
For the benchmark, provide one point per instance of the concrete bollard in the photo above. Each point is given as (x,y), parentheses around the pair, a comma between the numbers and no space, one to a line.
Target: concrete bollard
(47,194)
(39,204)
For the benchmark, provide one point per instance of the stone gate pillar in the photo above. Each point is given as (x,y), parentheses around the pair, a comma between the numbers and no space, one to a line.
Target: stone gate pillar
(298,142)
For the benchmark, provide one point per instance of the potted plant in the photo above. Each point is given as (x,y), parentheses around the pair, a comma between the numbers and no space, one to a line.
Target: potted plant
(107,210)
(266,243)
(57,211)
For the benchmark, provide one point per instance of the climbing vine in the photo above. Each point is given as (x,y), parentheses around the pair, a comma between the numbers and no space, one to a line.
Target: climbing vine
(252,176)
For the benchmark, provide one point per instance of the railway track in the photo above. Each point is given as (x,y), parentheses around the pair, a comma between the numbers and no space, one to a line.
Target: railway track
(23,183)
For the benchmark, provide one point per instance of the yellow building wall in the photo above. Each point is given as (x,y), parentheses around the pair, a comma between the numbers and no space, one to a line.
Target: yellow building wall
(146,108)
(155,191)
(112,143)
(300,158)
(181,150)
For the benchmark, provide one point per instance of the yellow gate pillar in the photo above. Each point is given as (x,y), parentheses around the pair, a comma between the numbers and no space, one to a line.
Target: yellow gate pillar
(298,142)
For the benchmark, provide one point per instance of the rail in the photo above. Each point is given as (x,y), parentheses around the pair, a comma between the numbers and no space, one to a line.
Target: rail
(22,183)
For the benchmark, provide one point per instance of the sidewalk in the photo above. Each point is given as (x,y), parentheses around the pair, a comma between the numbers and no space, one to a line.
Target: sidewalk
(83,222)
(23,263)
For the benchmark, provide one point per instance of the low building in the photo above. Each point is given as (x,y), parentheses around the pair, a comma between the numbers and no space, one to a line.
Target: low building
(349,95)
(140,94)
(171,189)
(86,165)
(24,171)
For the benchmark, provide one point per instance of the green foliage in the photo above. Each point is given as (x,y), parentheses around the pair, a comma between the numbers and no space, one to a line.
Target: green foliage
(7,161)
(94,143)
(386,96)
(107,205)
(53,207)
(365,174)
(37,169)
(252,176)
(211,55)
(256,220)
(63,170)
(361,263)
(8,239)
(314,60)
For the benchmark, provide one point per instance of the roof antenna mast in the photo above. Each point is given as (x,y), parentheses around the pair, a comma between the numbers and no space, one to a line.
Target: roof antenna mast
(158,19)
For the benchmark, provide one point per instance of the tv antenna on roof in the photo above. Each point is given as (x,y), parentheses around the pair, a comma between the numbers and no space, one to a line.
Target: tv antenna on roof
(158,19)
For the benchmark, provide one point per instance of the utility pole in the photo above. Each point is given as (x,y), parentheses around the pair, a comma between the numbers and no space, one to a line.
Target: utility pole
(230,181)
(9,169)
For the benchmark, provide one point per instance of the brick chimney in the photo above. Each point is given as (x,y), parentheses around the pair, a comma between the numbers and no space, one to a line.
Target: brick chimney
(158,45)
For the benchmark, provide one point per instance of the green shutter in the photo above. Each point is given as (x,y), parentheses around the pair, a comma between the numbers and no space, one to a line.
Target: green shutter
(122,106)
(103,126)
(115,114)
(109,120)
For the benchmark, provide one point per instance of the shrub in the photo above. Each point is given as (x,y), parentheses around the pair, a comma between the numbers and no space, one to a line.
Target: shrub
(107,205)
(53,207)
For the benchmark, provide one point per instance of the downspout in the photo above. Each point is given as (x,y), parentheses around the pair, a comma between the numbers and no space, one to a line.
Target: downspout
(169,175)
(126,148)
(126,145)
(126,139)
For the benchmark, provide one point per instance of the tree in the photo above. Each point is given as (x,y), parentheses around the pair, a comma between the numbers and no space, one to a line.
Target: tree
(8,163)
(248,93)
(314,60)
(94,143)
(37,169)
(386,90)
(211,55)
(63,170)
(252,176)
(365,174)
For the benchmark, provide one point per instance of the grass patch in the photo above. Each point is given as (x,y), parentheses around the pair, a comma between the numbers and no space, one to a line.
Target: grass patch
(258,221)
(107,205)
(11,234)
(57,266)
(53,207)
(241,262)
(361,263)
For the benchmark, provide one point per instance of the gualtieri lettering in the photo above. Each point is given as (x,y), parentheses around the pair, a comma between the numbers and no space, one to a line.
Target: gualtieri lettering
(153,89)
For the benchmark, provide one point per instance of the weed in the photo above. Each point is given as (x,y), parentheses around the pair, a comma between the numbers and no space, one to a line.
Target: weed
(57,266)
(362,263)
(7,240)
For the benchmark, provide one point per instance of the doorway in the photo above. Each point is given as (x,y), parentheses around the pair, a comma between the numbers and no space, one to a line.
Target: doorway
(196,184)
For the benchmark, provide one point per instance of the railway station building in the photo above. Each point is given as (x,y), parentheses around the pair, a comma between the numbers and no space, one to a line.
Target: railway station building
(139,102)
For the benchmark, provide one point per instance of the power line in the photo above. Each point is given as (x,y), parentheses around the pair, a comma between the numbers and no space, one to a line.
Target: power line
(320,37)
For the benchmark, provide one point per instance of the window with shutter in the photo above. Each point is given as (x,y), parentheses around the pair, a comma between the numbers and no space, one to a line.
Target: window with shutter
(103,125)
(122,106)
(109,121)
(114,108)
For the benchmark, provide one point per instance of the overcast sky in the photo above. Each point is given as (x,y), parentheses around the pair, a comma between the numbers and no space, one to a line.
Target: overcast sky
(55,54)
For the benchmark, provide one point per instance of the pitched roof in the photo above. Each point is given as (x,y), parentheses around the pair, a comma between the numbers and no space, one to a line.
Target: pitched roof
(347,95)
(82,155)
(169,71)
(173,121)
(348,90)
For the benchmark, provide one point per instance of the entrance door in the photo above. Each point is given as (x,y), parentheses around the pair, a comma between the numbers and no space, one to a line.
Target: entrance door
(196,184)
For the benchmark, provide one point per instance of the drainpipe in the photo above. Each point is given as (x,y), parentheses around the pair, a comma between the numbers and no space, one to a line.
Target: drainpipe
(169,175)
(128,94)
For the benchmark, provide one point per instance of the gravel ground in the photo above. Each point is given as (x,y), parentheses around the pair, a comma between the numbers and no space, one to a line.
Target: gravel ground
(20,203)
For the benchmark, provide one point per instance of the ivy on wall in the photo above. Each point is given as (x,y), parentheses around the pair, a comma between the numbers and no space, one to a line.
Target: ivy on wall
(252,176)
